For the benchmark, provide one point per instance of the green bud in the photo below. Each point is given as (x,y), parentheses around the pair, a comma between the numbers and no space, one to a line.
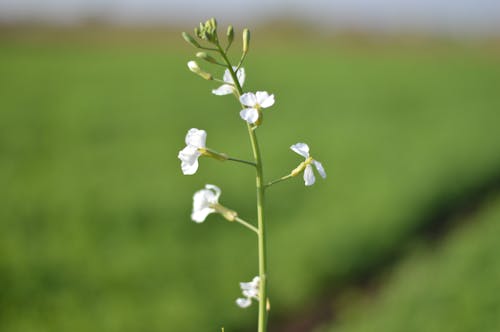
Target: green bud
(230,34)
(246,40)
(206,57)
(187,37)
(213,23)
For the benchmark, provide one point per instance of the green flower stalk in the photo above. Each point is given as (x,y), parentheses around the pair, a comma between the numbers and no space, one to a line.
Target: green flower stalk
(206,201)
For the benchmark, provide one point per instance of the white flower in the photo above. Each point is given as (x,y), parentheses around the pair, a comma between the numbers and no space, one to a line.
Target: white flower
(226,89)
(303,150)
(204,201)
(195,139)
(254,102)
(250,291)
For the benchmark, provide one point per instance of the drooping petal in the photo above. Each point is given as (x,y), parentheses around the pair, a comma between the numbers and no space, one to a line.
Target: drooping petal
(199,216)
(243,302)
(196,137)
(250,115)
(309,178)
(264,99)
(248,99)
(223,90)
(320,168)
(301,148)
(189,160)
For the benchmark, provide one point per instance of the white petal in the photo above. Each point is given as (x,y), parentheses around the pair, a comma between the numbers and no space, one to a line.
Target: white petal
(196,137)
(309,178)
(320,168)
(301,148)
(189,154)
(200,200)
(227,77)
(243,302)
(223,90)
(264,99)
(200,215)
(247,285)
(189,169)
(241,76)
(250,115)
(248,99)
(216,190)
(189,160)
(252,293)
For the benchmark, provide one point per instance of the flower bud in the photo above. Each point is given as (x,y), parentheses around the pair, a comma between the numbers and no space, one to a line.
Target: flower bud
(246,40)
(206,57)
(213,23)
(230,34)
(193,66)
(187,37)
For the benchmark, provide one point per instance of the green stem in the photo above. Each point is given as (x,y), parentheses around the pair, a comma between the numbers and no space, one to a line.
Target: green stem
(247,225)
(241,161)
(259,179)
(286,177)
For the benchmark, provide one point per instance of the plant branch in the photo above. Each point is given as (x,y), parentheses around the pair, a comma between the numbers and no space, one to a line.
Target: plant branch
(247,225)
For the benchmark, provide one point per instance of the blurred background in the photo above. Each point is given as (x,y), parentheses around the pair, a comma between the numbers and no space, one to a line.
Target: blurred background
(398,99)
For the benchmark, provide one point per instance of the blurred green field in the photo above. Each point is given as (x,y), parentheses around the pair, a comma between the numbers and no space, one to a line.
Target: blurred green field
(452,287)
(95,231)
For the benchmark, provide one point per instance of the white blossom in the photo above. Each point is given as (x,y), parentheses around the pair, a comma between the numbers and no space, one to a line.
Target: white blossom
(303,150)
(229,87)
(250,291)
(195,140)
(254,102)
(204,201)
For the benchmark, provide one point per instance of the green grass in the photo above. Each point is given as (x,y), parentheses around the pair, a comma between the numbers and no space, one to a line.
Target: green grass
(452,287)
(95,231)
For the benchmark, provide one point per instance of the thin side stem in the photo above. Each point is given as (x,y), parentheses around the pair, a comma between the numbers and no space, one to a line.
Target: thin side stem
(247,225)
(286,177)
(259,179)
(251,163)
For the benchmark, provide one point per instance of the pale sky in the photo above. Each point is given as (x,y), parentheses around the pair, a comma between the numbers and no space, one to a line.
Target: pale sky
(460,16)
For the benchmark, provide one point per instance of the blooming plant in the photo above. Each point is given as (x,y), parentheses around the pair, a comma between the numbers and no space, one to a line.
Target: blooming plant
(206,201)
